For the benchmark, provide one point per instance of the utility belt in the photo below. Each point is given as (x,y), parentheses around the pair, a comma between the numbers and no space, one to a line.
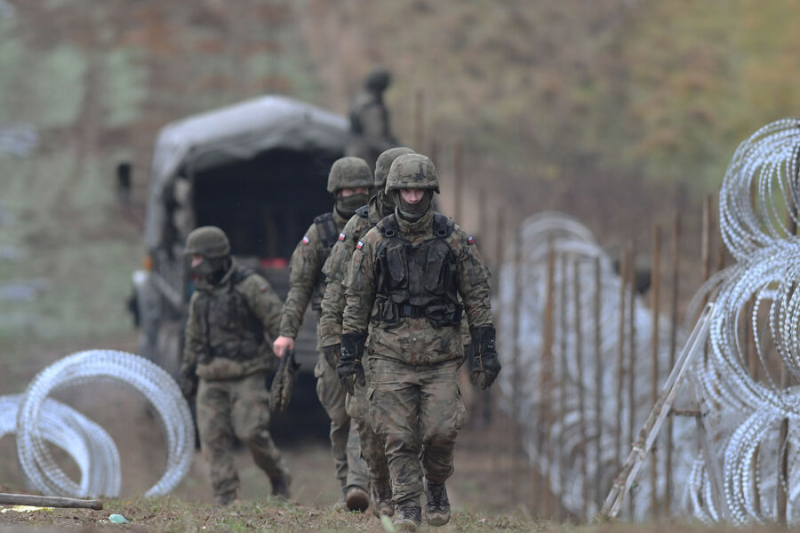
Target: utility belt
(438,314)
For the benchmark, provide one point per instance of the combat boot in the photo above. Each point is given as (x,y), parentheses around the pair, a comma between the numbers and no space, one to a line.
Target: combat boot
(280,485)
(408,518)
(381,495)
(437,510)
(226,498)
(356,499)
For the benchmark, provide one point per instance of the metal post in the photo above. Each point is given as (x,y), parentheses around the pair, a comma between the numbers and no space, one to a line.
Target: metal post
(558,455)
(655,281)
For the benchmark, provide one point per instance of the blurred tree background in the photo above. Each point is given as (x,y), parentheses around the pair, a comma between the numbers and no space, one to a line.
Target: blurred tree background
(613,110)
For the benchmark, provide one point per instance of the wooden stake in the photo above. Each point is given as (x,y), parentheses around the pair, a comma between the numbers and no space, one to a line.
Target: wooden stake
(457,178)
(515,385)
(655,281)
(419,113)
(673,341)
(584,449)
(632,403)
(623,276)
(598,377)
(558,453)
(49,501)
(546,385)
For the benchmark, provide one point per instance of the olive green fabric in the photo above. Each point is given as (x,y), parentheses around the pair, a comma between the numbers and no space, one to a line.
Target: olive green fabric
(415,409)
(415,340)
(372,445)
(370,125)
(384,163)
(351,470)
(224,335)
(208,241)
(237,407)
(334,269)
(305,269)
(412,171)
(349,173)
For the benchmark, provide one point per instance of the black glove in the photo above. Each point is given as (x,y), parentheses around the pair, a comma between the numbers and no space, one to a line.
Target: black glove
(350,362)
(484,366)
(331,354)
(188,385)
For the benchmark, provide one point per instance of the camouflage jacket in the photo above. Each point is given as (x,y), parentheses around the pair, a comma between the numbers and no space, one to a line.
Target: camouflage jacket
(306,281)
(415,340)
(226,326)
(335,270)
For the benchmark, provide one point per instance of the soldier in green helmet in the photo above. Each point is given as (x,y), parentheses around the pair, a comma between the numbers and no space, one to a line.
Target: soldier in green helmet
(330,327)
(371,132)
(226,361)
(350,181)
(411,278)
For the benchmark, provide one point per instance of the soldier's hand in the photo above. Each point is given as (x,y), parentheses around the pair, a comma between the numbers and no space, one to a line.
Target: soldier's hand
(331,354)
(350,361)
(484,364)
(282,344)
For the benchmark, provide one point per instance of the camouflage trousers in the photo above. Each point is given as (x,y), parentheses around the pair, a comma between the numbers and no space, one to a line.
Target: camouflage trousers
(350,467)
(416,410)
(372,446)
(240,407)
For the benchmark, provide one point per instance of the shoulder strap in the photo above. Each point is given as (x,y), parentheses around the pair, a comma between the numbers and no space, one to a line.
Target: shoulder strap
(326,227)
(388,226)
(442,225)
(363,211)
(241,273)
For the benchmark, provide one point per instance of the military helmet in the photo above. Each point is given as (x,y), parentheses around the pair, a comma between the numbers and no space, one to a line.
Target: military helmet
(385,161)
(377,79)
(349,173)
(208,241)
(412,171)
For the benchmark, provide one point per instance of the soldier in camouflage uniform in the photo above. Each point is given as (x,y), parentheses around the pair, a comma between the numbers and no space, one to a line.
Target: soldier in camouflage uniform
(350,181)
(370,130)
(403,286)
(330,327)
(226,361)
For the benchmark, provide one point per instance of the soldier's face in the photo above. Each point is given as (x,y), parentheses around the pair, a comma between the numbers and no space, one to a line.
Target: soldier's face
(412,196)
(345,193)
(197,259)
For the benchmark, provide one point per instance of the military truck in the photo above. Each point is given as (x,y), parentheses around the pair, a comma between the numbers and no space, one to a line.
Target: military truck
(258,170)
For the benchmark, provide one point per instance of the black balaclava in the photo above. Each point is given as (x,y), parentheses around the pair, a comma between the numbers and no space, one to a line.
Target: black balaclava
(413,212)
(386,203)
(213,269)
(347,206)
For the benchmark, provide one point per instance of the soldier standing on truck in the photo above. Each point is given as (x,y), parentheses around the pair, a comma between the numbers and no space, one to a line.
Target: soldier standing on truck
(370,131)
(226,361)
(403,288)
(350,182)
(330,327)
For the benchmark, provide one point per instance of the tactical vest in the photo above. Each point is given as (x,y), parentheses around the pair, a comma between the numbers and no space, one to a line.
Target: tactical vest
(417,281)
(328,235)
(230,329)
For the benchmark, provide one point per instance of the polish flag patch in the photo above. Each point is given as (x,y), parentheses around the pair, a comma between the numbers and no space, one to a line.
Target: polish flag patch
(360,245)
(342,236)
(470,240)
(264,288)
(305,240)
